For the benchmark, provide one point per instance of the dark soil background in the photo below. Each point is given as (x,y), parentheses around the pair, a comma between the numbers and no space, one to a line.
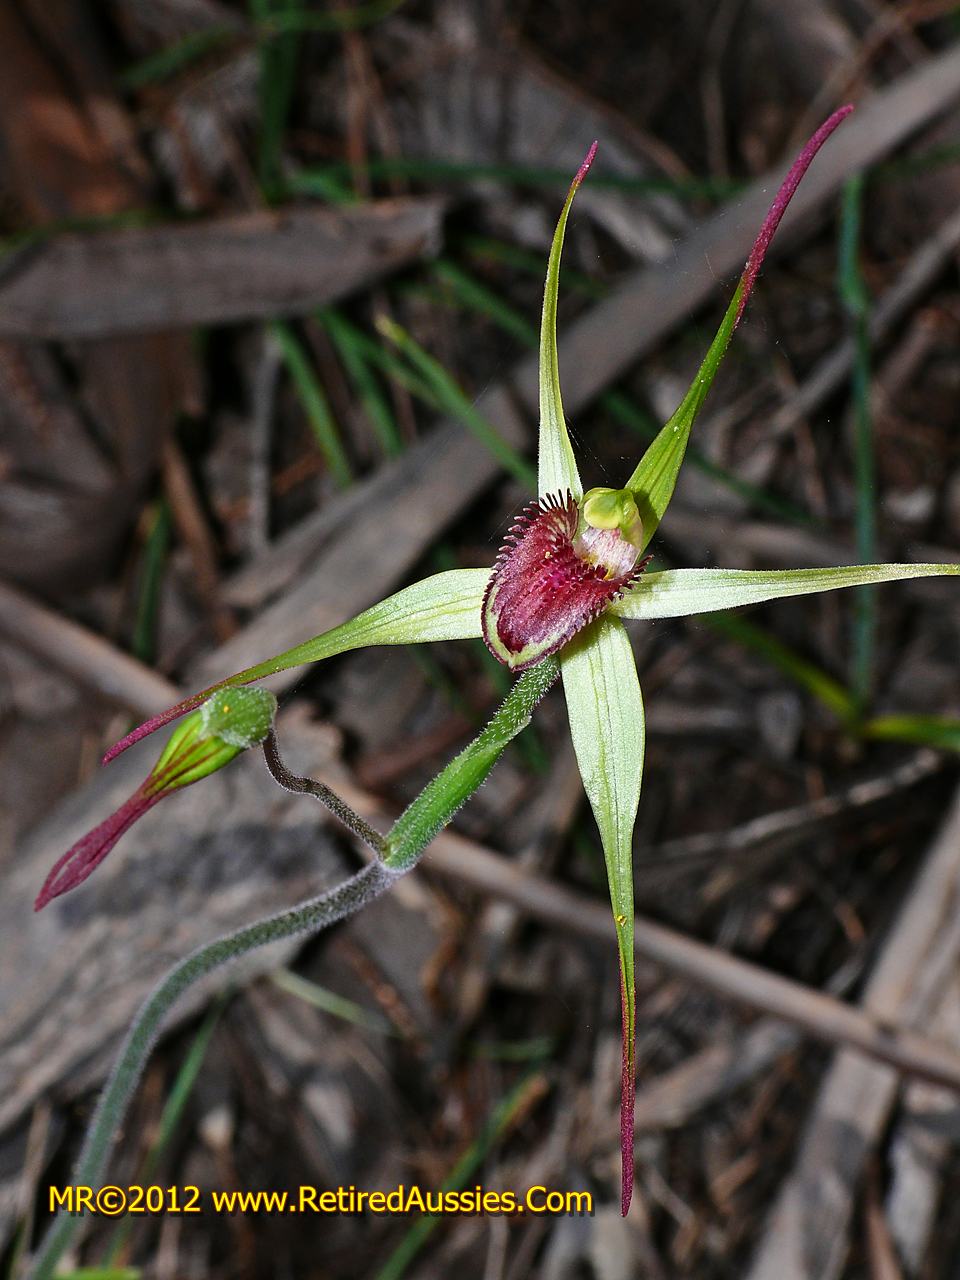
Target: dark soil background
(209,451)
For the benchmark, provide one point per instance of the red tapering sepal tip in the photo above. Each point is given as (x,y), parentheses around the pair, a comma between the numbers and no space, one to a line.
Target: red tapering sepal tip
(587,162)
(782,199)
(83,858)
(157,722)
(628,1094)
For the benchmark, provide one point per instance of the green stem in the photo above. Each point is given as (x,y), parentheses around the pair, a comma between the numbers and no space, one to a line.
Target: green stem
(403,846)
(308,917)
(440,799)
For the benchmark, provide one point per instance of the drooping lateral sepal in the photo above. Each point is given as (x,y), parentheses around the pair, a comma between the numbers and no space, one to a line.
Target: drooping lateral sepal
(605,709)
(555,574)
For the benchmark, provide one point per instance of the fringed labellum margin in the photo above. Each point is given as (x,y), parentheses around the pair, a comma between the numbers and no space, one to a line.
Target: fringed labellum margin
(561,565)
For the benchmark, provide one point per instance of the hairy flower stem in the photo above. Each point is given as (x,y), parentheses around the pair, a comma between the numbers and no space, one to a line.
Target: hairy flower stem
(397,853)
(320,791)
(308,917)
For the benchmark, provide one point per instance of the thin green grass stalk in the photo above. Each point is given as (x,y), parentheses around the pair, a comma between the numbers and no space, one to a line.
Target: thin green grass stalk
(471,293)
(183,53)
(856,302)
(457,403)
(171,1115)
(278,70)
(353,355)
(817,682)
(941,732)
(155,550)
(389,363)
(628,413)
(490,249)
(31,236)
(177,57)
(435,676)
(102,1273)
(329,1002)
(436,169)
(403,847)
(314,402)
(909,166)
(322,185)
(533,1050)
(496,1126)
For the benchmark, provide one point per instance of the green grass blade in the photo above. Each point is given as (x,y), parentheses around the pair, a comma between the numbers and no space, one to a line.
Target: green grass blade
(621,407)
(501,1119)
(435,169)
(144,641)
(179,56)
(854,297)
(329,1002)
(605,709)
(101,1273)
(455,402)
(813,679)
(489,249)
(183,53)
(278,70)
(172,1113)
(314,402)
(375,403)
(942,732)
(475,296)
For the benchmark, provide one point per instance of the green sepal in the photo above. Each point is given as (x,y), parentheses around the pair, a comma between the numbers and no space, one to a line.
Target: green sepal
(678,593)
(445,606)
(229,722)
(655,478)
(557,471)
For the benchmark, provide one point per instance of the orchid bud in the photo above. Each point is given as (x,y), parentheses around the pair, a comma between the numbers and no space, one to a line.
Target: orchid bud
(229,722)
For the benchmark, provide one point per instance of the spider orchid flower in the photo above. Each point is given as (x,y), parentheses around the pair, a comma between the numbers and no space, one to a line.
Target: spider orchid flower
(571,573)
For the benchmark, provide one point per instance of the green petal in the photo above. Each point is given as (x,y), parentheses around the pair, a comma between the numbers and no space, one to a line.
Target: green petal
(445,606)
(558,467)
(605,708)
(655,478)
(676,593)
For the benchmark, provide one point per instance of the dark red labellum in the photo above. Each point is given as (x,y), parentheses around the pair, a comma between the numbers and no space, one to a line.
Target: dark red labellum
(544,588)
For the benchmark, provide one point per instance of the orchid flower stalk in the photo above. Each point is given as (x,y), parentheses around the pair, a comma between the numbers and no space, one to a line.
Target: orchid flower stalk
(571,573)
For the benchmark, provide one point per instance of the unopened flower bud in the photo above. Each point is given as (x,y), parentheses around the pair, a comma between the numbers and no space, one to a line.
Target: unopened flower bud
(229,722)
